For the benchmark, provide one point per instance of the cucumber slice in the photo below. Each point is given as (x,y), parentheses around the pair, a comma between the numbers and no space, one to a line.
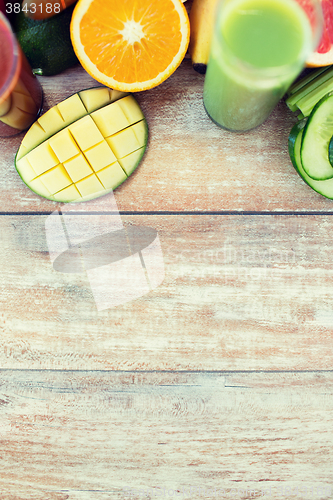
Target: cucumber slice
(324,188)
(315,141)
(294,144)
(330,151)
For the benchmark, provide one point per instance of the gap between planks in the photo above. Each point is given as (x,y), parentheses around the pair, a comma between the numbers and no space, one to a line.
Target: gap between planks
(163,213)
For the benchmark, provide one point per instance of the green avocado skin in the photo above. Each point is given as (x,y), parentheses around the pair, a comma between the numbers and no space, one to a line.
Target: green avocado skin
(46,44)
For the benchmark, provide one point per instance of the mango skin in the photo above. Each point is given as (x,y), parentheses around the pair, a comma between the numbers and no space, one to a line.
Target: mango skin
(110,178)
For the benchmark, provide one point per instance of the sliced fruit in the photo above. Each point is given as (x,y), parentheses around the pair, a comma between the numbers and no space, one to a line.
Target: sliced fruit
(5,106)
(46,43)
(324,187)
(316,138)
(323,56)
(93,99)
(79,156)
(19,110)
(130,46)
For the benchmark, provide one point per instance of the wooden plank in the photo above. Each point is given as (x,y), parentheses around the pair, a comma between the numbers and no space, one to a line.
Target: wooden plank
(81,435)
(239,293)
(191,164)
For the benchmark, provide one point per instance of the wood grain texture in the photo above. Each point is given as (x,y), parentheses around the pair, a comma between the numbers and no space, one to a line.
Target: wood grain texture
(190,164)
(81,435)
(240,293)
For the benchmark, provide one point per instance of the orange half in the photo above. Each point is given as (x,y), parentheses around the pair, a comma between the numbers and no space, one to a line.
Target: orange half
(130,45)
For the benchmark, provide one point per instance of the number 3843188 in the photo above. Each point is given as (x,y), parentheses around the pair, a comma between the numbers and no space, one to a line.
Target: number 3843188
(48,8)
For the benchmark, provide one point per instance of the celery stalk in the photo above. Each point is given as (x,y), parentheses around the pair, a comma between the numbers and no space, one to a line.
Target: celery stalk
(311,88)
(298,84)
(308,102)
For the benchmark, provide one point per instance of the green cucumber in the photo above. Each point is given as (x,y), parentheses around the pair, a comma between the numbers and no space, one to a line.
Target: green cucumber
(330,151)
(316,138)
(324,188)
(294,145)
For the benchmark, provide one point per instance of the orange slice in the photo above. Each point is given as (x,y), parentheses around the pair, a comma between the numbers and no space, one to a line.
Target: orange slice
(130,45)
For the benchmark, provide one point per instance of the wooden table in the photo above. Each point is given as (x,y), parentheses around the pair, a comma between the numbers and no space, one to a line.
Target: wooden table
(216,384)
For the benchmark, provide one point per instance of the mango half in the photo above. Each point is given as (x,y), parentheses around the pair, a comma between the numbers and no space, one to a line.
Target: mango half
(84,147)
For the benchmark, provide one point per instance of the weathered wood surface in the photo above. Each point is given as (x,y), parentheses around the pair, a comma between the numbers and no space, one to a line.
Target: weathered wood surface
(81,435)
(239,293)
(242,293)
(191,164)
